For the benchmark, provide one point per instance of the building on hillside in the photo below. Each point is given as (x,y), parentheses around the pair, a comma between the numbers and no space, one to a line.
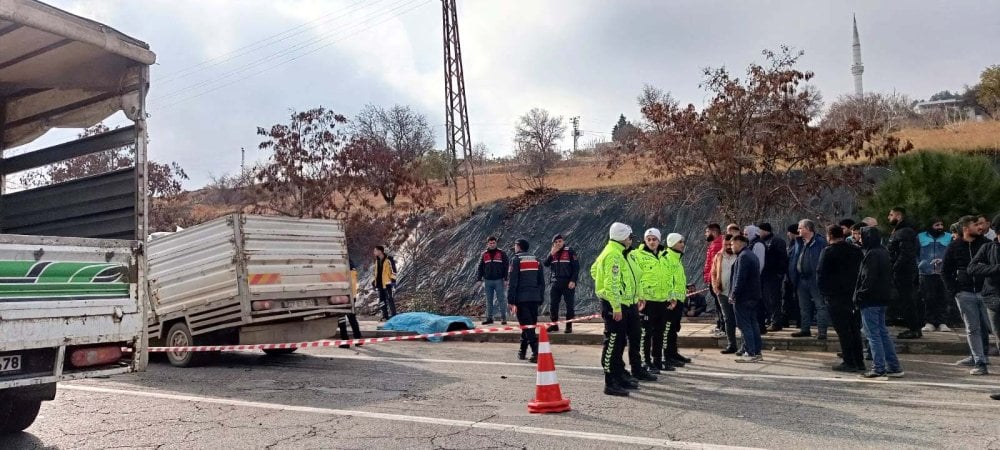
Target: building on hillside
(953,109)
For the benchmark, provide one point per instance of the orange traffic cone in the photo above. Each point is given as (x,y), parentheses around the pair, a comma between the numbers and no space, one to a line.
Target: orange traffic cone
(548,396)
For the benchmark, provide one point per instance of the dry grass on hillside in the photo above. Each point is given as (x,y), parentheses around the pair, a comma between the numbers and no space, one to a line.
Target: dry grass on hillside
(582,173)
(960,136)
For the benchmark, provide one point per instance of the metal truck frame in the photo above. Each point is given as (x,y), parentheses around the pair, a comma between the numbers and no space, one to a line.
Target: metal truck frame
(246,279)
(71,302)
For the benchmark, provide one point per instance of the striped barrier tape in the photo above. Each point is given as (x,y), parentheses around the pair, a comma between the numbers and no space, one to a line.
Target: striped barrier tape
(337,343)
(329,343)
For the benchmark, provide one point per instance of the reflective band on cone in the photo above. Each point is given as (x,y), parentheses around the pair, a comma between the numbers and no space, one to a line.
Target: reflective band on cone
(548,396)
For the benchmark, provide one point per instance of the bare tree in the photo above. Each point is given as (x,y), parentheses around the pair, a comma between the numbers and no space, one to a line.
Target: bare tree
(397,138)
(535,138)
(889,111)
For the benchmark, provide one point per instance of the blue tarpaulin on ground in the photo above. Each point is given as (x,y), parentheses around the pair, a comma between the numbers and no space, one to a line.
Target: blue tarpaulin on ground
(426,323)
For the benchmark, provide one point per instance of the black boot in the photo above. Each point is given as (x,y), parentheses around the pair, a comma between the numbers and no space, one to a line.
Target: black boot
(681,358)
(611,386)
(652,369)
(522,353)
(642,374)
(553,327)
(628,383)
(569,328)
(663,367)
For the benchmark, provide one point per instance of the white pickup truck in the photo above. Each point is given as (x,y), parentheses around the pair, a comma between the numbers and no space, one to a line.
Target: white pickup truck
(247,279)
(71,261)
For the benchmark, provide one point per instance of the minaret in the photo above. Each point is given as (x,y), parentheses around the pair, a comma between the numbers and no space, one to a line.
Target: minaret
(857,68)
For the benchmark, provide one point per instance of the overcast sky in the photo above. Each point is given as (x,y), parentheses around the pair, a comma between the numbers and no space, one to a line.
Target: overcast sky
(584,58)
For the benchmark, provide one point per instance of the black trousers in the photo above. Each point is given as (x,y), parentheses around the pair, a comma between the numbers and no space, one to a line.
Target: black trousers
(386,302)
(846,323)
(909,304)
(934,298)
(560,291)
(633,331)
(789,304)
(654,328)
(527,314)
(771,306)
(615,338)
(673,326)
(355,327)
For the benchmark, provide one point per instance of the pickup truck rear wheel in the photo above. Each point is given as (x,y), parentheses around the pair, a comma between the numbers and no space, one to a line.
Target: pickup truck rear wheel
(179,335)
(17,415)
(280,351)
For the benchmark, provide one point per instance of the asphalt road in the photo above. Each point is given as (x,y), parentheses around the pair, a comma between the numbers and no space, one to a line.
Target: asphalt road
(469,395)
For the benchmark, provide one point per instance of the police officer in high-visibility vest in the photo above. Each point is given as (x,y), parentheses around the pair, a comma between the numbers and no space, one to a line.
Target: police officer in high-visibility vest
(654,290)
(615,282)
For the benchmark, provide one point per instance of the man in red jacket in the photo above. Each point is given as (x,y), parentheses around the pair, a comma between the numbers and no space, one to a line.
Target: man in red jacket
(713,234)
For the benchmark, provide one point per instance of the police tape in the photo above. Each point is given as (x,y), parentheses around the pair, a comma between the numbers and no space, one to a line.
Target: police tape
(337,343)
(345,342)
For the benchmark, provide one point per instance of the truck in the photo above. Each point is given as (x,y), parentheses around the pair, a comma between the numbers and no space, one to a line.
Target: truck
(247,279)
(71,253)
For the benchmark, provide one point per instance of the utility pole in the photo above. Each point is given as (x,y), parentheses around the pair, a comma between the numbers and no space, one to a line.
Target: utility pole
(243,161)
(575,120)
(456,113)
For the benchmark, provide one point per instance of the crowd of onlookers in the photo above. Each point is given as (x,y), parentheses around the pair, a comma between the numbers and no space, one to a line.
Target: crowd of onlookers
(850,276)
(858,280)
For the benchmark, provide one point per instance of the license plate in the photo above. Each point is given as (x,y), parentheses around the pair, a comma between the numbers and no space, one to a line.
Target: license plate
(10,363)
(297,304)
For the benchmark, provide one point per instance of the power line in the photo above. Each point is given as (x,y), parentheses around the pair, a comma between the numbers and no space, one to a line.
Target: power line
(280,63)
(271,57)
(253,46)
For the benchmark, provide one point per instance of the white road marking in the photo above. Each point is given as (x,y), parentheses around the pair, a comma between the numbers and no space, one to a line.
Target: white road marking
(614,438)
(846,379)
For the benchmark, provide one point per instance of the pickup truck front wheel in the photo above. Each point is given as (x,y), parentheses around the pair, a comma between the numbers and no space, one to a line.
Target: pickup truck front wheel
(17,415)
(179,335)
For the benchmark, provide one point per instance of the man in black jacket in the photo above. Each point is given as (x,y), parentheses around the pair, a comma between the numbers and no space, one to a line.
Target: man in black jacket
(986,264)
(565,267)
(745,295)
(525,295)
(904,253)
(839,265)
(772,276)
(873,289)
(493,269)
(967,290)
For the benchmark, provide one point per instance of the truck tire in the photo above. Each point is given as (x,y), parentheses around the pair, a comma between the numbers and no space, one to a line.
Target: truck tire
(17,415)
(179,335)
(279,351)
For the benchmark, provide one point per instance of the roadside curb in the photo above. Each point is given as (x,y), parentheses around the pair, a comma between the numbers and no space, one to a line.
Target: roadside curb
(914,347)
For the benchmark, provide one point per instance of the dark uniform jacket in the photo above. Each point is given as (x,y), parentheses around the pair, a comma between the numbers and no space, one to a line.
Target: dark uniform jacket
(565,265)
(492,265)
(526,280)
